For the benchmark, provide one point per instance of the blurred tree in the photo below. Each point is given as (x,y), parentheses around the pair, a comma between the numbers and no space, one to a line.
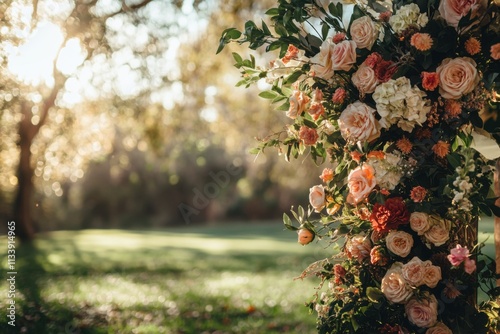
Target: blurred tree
(56,54)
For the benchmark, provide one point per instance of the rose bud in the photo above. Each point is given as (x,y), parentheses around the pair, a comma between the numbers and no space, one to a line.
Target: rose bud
(305,236)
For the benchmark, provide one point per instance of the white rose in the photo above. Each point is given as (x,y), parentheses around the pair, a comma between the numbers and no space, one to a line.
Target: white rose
(422,311)
(317,197)
(394,286)
(365,79)
(399,242)
(364,32)
(358,123)
(419,222)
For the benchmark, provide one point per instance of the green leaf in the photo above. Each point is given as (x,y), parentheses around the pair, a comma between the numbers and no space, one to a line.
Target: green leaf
(454,160)
(273,12)
(265,28)
(309,123)
(237,58)
(268,94)
(280,29)
(293,77)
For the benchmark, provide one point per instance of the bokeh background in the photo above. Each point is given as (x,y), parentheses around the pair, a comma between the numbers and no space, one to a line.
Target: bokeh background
(125,164)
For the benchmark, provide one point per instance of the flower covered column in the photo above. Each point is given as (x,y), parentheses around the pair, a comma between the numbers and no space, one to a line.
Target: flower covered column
(390,101)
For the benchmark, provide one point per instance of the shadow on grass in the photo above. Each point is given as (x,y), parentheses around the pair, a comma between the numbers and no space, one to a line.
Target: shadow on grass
(32,313)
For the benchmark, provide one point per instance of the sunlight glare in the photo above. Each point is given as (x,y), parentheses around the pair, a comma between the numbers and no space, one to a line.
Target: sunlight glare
(33,62)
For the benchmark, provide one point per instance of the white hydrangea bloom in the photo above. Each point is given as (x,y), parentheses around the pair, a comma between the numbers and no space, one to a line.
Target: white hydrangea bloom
(399,103)
(407,16)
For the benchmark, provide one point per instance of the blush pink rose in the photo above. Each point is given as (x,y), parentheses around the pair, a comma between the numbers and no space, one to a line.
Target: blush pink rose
(365,79)
(361,182)
(358,123)
(422,311)
(453,10)
(344,56)
(457,77)
(298,102)
(317,197)
(394,286)
(364,32)
(399,243)
(458,255)
(419,222)
(414,271)
(439,328)
(469,266)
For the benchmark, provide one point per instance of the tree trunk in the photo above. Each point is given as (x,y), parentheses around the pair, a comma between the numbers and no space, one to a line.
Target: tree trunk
(497,219)
(23,202)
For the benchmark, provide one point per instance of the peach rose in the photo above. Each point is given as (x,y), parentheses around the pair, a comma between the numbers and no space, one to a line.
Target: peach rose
(453,10)
(344,56)
(419,222)
(308,135)
(304,236)
(457,77)
(298,102)
(359,247)
(361,182)
(394,286)
(317,197)
(422,311)
(358,123)
(399,243)
(432,275)
(414,271)
(364,32)
(439,328)
(365,79)
(439,232)
(495,51)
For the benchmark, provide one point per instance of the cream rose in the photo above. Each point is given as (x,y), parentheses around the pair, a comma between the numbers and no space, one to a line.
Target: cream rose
(344,56)
(422,311)
(419,222)
(361,182)
(365,79)
(457,77)
(317,197)
(358,123)
(432,275)
(439,328)
(399,243)
(438,233)
(322,61)
(394,286)
(414,271)
(453,10)
(364,32)
(298,102)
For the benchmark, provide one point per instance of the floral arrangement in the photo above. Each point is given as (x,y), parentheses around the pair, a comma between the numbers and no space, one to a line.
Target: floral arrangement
(392,100)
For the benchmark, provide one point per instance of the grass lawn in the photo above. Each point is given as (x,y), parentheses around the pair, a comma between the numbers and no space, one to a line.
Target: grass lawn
(234,278)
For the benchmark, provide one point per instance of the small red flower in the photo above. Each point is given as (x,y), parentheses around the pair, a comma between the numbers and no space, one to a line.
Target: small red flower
(390,215)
